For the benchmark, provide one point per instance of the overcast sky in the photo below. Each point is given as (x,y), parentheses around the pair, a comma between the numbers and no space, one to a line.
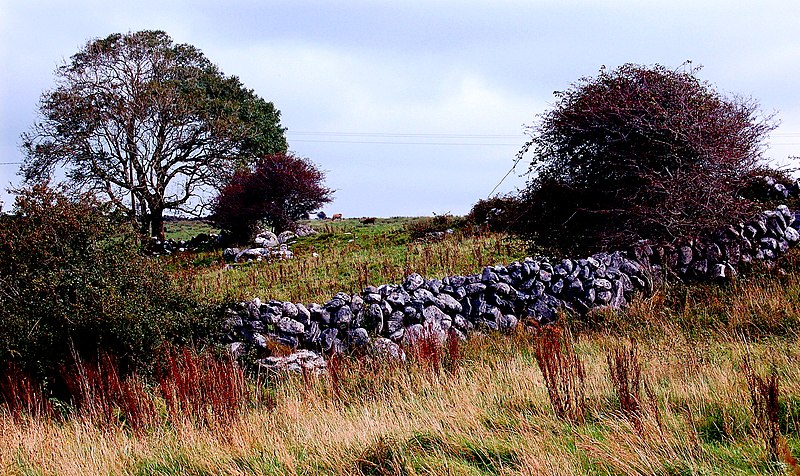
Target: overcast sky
(415,108)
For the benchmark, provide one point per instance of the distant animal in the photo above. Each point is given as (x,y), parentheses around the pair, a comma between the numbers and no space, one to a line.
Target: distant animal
(336,216)
(368,221)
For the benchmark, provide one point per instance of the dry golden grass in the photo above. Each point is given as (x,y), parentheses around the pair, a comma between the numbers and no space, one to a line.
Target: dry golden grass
(493,416)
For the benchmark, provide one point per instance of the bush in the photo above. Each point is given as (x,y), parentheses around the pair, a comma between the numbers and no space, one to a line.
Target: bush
(74,283)
(434,227)
(640,153)
(278,190)
(497,214)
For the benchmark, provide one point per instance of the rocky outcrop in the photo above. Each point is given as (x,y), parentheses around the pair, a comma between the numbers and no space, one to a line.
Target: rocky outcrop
(267,246)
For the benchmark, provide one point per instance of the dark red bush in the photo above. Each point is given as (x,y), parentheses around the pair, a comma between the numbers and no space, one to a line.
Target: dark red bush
(640,153)
(278,190)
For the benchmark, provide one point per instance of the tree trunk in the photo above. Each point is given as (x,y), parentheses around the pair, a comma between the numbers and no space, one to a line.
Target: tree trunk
(157,224)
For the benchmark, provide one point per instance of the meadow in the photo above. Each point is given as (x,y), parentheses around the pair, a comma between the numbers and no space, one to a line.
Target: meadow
(695,379)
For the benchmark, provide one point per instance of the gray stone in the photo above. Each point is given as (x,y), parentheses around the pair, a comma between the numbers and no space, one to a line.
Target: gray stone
(356,303)
(302,361)
(372,298)
(259,340)
(266,239)
(236,349)
(489,276)
(334,304)
(395,321)
(290,326)
(447,303)
(604,297)
(384,348)
(344,297)
(433,314)
(685,255)
(312,333)
(507,322)
(358,337)
(319,313)
(475,288)
(398,299)
(424,295)
(504,289)
(303,314)
(557,287)
(601,284)
(327,338)
(285,237)
(791,235)
(230,254)
(413,281)
(289,310)
(462,323)
(343,316)
(433,285)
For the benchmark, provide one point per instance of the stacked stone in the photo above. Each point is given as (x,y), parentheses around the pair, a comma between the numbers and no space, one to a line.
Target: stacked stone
(387,316)
(266,245)
(201,242)
(763,239)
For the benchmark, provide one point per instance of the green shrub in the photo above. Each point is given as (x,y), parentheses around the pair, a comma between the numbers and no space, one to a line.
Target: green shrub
(497,214)
(428,226)
(72,281)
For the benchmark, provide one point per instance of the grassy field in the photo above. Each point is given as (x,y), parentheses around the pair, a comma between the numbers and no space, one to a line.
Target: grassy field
(696,379)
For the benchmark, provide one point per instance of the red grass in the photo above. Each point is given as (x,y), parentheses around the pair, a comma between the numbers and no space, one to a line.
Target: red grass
(764,395)
(563,372)
(102,396)
(202,388)
(626,377)
(21,395)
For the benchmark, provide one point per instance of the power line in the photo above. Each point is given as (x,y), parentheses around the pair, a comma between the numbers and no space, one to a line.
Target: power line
(10,163)
(403,143)
(404,134)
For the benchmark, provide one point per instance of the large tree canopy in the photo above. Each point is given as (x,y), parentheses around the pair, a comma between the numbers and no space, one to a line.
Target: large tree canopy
(149,125)
(640,153)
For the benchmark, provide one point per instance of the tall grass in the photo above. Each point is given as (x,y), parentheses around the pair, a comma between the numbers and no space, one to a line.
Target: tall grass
(493,416)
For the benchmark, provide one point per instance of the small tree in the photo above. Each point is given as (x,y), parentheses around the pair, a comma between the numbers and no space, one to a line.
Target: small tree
(640,153)
(277,190)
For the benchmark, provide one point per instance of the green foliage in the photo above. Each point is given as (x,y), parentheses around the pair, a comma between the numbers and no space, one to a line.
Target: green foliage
(426,226)
(640,153)
(497,214)
(148,124)
(73,281)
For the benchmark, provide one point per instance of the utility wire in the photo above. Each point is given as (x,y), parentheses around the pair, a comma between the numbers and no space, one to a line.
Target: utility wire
(400,134)
(402,143)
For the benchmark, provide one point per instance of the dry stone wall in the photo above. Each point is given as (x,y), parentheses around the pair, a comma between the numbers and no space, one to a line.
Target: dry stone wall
(385,317)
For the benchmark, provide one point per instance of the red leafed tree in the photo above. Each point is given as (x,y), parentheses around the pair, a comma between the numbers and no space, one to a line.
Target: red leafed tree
(277,190)
(640,152)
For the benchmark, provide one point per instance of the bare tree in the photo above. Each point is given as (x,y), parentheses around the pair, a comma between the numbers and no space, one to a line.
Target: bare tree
(149,125)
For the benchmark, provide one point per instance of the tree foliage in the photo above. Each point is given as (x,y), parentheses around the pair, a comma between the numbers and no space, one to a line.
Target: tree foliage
(277,190)
(148,124)
(72,281)
(640,153)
